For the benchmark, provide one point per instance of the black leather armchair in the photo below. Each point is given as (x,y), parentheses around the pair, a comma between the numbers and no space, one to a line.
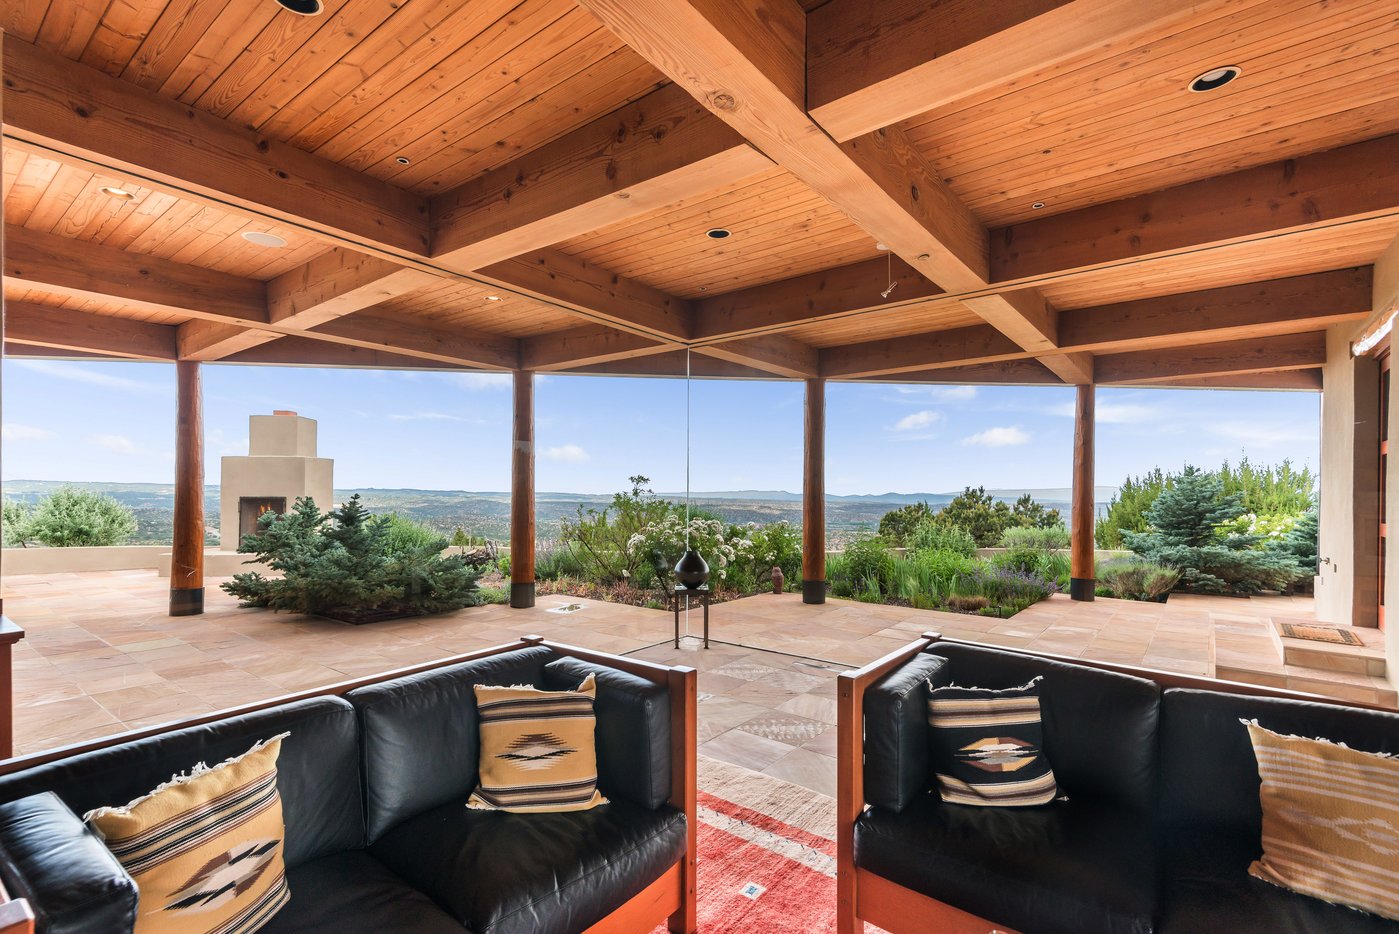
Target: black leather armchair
(1161,820)
(374,780)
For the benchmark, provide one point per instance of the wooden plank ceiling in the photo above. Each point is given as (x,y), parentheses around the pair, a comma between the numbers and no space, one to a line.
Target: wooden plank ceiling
(498,184)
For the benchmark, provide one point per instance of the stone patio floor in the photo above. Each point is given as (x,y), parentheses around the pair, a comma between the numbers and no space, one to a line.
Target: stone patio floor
(100,654)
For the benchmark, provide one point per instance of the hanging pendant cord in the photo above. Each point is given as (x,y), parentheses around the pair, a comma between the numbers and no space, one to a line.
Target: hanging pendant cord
(687,449)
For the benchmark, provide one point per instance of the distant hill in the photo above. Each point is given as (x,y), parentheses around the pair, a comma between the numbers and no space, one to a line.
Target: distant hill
(488,512)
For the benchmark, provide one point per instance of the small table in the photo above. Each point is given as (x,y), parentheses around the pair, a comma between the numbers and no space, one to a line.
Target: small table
(680,590)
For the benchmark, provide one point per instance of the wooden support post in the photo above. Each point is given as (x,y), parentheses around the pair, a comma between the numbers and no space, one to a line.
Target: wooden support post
(522,494)
(1081,572)
(187,555)
(814,495)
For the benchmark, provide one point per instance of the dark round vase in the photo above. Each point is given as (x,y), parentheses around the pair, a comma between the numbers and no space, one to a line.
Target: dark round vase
(691,571)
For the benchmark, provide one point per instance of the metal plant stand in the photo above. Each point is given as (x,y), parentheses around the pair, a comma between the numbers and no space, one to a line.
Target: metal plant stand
(679,591)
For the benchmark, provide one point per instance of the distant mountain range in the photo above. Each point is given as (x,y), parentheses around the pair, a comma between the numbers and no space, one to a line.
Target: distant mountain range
(488,513)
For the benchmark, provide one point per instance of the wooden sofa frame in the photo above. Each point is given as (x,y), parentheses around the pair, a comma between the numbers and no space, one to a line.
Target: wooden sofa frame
(864,896)
(670,899)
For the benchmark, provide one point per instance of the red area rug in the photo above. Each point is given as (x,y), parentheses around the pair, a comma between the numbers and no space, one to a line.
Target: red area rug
(758,874)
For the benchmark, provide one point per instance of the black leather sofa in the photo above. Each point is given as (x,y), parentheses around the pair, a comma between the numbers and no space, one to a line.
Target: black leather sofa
(1161,822)
(374,779)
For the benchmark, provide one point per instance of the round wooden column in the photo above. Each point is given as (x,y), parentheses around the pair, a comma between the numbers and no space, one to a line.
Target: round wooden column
(187,555)
(522,494)
(814,495)
(1081,571)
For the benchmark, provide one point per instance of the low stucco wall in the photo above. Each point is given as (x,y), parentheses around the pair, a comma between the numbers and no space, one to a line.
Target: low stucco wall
(68,560)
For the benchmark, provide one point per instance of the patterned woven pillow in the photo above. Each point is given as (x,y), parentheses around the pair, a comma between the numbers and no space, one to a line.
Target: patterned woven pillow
(1330,821)
(537,749)
(205,849)
(987,746)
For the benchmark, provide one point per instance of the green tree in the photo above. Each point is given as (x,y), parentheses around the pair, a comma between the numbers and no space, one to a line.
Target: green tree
(1185,533)
(70,517)
(931,535)
(897,526)
(1268,491)
(1127,510)
(343,564)
(980,513)
(1030,514)
(1301,542)
(599,539)
(15,523)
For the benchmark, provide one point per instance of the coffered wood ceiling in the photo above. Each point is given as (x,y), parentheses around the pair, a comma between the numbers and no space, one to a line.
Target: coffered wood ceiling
(490,183)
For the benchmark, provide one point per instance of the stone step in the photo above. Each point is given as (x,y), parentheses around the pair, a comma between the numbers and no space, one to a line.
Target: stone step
(1367,659)
(1366,689)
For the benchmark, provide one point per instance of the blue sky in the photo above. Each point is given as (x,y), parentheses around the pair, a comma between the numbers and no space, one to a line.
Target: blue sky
(88,421)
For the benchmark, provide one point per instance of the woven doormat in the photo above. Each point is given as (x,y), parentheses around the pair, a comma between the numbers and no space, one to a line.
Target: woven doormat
(1332,634)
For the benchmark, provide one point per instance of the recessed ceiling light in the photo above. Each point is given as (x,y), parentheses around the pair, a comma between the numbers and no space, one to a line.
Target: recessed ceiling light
(261,238)
(716,233)
(1215,78)
(1037,205)
(302,7)
(121,194)
(403,160)
(492,298)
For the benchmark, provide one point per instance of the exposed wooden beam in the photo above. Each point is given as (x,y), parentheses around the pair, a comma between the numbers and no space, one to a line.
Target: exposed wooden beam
(1014,372)
(672,364)
(1326,189)
(1280,380)
(337,283)
(68,111)
(776,354)
(306,351)
(870,65)
(1227,358)
(66,329)
(642,157)
(421,339)
(588,345)
(80,269)
(746,61)
(60,105)
(210,340)
(1261,309)
(594,292)
(979,343)
(818,296)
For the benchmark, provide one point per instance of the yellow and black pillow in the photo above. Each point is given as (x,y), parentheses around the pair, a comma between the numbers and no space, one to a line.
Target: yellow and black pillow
(988,746)
(204,849)
(537,749)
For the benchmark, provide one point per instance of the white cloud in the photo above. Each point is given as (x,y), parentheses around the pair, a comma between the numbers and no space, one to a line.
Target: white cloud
(74,373)
(941,393)
(1263,434)
(1115,413)
(12,431)
(476,382)
(1008,436)
(568,453)
(117,444)
(916,420)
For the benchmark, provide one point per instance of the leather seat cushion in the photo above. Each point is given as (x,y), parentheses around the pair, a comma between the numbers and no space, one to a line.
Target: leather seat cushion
(898,760)
(353,893)
(1206,887)
(1065,867)
(420,733)
(633,729)
(502,873)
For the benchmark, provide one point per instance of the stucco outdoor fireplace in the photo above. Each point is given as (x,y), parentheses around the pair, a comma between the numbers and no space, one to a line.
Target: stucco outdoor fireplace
(280,466)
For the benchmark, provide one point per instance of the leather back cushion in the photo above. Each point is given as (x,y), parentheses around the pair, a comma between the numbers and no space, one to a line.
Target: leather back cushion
(1209,776)
(898,765)
(1100,727)
(317,771)
(420,733)
(633,729)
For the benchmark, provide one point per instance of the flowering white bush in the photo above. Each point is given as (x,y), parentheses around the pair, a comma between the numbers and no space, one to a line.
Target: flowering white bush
(1268,527)
(663,542)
